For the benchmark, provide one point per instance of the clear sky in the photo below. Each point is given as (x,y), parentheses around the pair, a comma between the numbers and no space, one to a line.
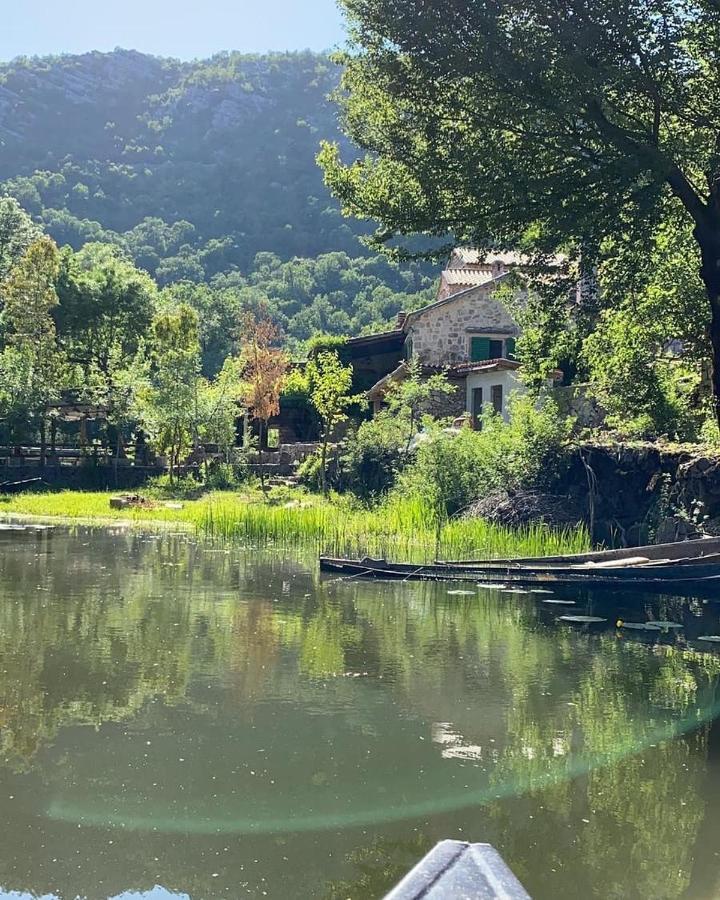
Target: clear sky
(182,28)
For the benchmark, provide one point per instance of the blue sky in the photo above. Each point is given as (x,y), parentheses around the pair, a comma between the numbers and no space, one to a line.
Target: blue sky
(181,28)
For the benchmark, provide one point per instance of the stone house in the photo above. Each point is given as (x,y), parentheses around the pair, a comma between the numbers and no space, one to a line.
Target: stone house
(467,333)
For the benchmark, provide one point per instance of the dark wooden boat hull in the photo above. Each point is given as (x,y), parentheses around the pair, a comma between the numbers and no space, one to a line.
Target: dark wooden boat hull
(670,576)
(674,551)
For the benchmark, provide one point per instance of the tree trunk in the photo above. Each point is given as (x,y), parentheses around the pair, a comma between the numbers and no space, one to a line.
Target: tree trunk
(43,440)
(323,464)
(708,238)
(714,299)
(260,456)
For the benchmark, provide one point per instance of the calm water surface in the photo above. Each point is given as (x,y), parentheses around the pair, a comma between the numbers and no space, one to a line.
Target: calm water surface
(229,723)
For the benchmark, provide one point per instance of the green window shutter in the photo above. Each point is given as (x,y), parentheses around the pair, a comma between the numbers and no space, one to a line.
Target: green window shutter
(479,349)
(510,348)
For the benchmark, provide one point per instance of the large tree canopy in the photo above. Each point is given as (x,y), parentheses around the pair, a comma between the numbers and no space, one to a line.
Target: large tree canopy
(517,121)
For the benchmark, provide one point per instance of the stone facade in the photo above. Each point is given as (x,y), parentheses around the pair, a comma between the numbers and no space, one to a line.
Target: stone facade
(439,335)
(447,406)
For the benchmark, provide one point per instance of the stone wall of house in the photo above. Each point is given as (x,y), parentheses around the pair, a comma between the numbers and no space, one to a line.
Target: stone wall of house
(441,334)
(444,406)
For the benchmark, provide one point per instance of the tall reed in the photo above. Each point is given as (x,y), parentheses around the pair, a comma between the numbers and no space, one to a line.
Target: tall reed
(402,528)
(399,529)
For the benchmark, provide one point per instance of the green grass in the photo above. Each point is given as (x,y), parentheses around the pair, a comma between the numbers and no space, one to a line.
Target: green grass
(400,529)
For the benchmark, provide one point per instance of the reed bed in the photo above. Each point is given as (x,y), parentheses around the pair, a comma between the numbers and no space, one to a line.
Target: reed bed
(399,529)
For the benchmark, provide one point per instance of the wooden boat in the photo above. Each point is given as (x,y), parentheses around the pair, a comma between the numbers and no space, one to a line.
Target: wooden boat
(652,552)
(687,565)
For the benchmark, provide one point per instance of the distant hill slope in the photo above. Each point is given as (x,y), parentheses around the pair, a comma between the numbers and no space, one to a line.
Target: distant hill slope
(193,167)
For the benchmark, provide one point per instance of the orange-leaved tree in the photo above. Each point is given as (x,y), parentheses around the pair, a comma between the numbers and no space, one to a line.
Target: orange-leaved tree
(264,366)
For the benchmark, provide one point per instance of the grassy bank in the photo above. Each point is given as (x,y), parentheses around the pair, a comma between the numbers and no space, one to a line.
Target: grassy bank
(401,529)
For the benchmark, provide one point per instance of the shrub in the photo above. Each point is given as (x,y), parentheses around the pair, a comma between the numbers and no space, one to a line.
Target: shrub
(374,456)
(184,487)
(452,469)
(221,476)
(309,471)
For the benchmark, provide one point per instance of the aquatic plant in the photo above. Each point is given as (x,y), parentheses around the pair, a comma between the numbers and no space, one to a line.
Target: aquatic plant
(400,528)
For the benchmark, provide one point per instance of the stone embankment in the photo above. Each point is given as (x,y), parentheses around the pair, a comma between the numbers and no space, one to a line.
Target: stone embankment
(628,494)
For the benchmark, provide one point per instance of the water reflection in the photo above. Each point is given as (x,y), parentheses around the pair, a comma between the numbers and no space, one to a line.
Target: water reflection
(228,723)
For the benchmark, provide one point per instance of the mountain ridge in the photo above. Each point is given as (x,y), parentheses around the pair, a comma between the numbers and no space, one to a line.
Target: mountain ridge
(96,145)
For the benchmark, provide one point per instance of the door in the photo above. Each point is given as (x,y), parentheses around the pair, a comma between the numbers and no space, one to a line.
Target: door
(496,396)
(477,405)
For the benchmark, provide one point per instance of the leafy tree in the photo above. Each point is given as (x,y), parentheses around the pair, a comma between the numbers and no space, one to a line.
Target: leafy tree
(219,404)
(264,369)
(167,403)
(551,124)
(218,310)
(645,359)
(17,233)
(33,368)
(106,305)
(330,386)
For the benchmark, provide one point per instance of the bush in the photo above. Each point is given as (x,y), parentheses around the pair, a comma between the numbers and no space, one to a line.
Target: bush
(222,476)
(309,471)
(453,469)
(183,487)
(374,456)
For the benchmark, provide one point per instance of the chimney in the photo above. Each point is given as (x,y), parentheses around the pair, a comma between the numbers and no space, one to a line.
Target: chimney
(401,316)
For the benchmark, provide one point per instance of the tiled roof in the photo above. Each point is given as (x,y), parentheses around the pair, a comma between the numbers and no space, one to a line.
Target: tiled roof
(485,365)
(475,256)
(469,277)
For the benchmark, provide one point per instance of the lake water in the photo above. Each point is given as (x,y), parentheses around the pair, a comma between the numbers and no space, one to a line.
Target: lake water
(180,720)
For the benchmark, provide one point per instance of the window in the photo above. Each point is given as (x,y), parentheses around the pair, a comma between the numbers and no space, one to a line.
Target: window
(482,348)
(496,396)
(479,349)
(510,348)
(476,409)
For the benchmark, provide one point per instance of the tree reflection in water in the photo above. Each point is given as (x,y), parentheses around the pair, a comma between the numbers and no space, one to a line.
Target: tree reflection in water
(224,722)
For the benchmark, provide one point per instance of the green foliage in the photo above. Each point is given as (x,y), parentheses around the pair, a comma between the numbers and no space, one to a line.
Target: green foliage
(645,354)
(374,455)
(330,385)
(105,306)
(17,233)
(451,470)
(310,472)
(33,370)
(378,450)
(167,405)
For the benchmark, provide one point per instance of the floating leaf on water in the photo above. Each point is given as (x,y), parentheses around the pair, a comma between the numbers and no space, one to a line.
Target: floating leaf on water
(712,638)
(637,626)
(462,593)
(560,602)
(665,625)
(584,620)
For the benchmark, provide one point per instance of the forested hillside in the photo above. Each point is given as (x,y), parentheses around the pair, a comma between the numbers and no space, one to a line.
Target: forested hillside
(217,157)
(194,169)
